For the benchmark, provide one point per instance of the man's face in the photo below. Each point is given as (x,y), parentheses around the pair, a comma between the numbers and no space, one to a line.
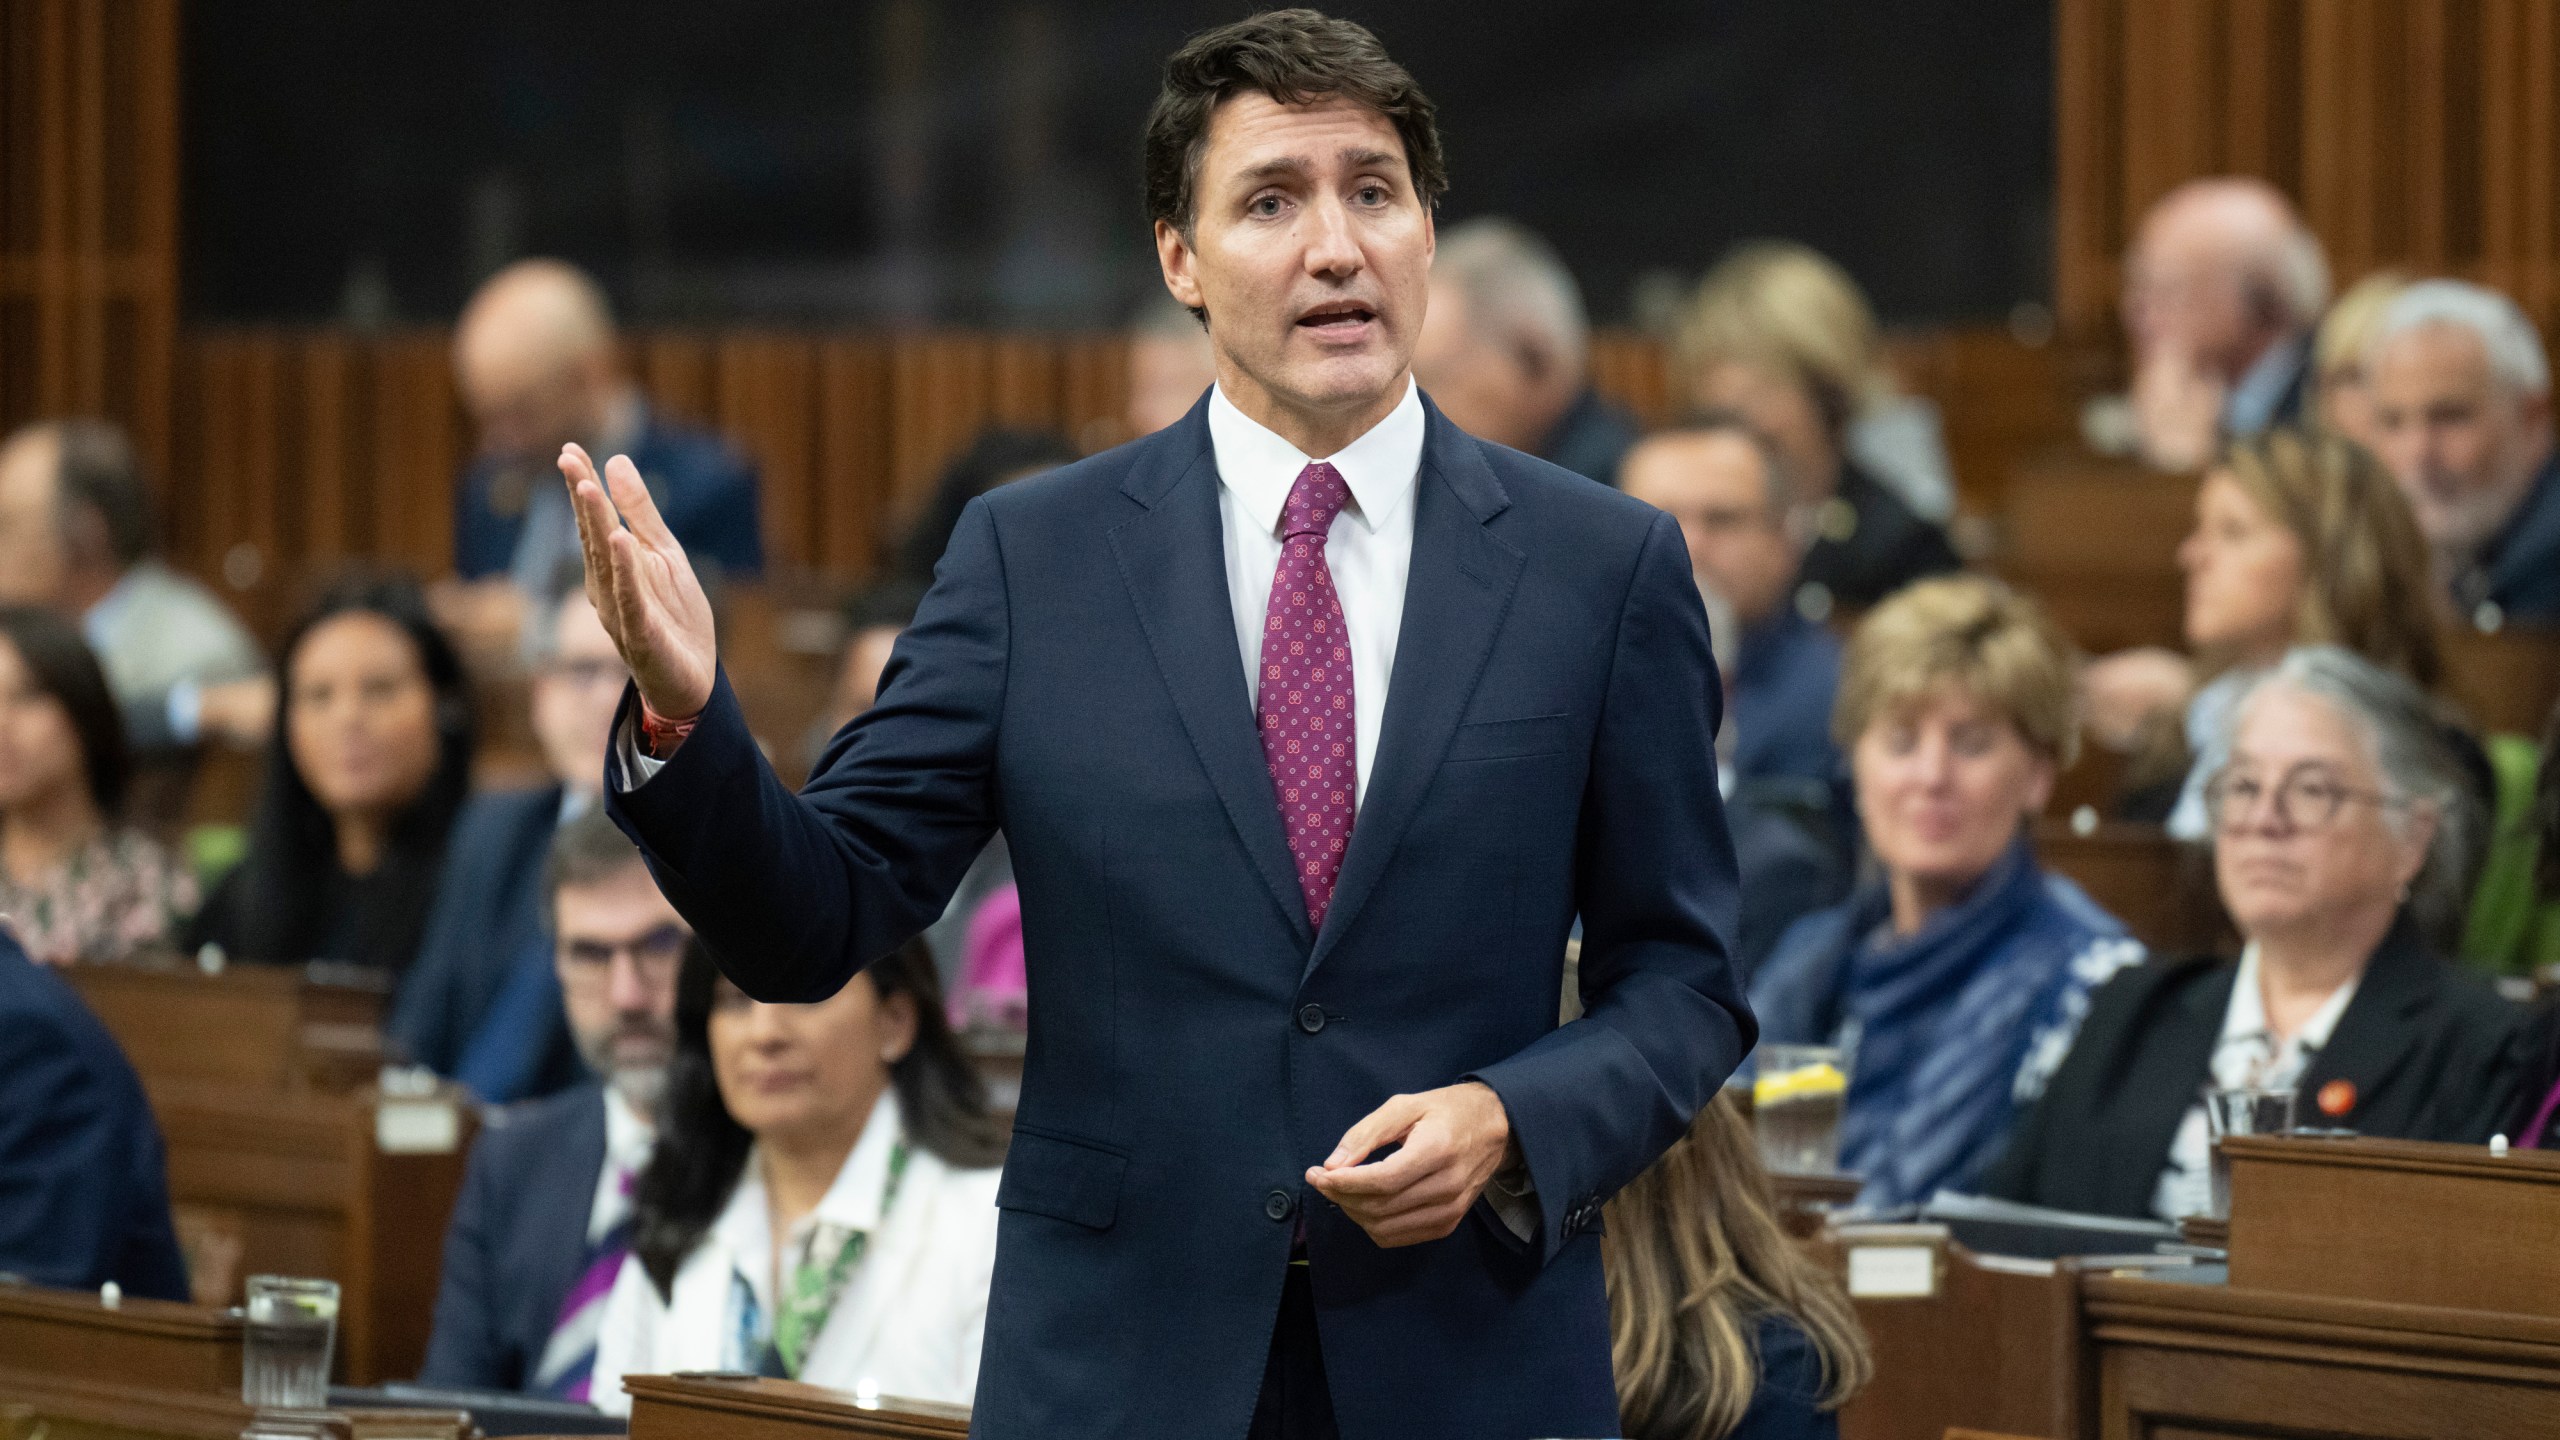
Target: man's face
(2462,445)
(617,945)
(1484,389)
(526,400)
(1310,251)
(2186,292)
(574,695)
(1717,486)
(34,562)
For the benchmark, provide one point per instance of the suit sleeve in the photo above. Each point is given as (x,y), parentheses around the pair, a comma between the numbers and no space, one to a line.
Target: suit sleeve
(794,893)
(1664,1020)
(67,1217)
(464,1350)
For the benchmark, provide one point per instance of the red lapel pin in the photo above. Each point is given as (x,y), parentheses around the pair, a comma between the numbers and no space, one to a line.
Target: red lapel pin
(2337,1098)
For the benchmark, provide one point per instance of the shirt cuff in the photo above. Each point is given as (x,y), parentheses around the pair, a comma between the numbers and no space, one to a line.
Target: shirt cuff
(186,712)
(639,767)
(1514,1198)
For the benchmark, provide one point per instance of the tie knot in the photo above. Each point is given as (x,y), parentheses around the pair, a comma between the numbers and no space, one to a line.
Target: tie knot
(1318,496)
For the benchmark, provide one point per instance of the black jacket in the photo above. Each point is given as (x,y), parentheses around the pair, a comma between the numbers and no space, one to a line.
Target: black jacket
(2432,1052)
(518,1237)
(1868,544)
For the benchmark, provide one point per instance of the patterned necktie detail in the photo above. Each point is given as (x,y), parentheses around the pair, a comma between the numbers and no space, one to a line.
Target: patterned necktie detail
(1304,709)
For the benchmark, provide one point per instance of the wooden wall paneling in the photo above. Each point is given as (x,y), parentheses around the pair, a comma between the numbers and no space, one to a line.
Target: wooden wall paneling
(1634,370)
(854,440)
(1097,391)
(766,399)
(938,387)
(419,443)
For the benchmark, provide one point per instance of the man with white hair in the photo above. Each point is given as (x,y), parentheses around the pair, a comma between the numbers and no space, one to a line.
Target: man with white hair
(538,365)
(2461,396)
(2222,288)
(1506,348)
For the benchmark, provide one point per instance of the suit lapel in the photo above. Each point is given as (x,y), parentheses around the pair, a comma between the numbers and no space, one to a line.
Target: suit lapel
(552,1238)
(1173,558)
(1456,594)
(2375,1036)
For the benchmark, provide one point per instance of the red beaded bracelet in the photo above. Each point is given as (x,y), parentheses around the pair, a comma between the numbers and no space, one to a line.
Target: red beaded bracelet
(662,734)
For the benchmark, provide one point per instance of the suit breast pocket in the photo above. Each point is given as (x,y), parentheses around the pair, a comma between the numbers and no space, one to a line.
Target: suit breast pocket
(1512,739)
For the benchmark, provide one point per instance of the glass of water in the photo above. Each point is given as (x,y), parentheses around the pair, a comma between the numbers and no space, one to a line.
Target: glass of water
(1795,1107)
(293,1325)
(2243,1111)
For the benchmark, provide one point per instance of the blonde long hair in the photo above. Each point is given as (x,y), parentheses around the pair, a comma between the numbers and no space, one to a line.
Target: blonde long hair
(1695,1256)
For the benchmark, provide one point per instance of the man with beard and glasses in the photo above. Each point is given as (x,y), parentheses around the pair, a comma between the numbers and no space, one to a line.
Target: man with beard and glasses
(544,1219)
(538,365)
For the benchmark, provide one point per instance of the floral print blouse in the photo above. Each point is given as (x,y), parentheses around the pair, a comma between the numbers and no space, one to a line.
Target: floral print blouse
(118,894)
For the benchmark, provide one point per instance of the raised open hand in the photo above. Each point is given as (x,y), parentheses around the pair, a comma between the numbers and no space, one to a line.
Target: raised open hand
(643,587)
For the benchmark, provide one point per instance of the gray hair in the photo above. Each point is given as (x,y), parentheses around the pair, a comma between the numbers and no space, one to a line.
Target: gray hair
(1518,289)
(2513,346)
(2414,755)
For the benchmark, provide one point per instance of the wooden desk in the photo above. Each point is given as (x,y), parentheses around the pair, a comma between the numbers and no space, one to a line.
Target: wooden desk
(352,1188)
(2198,1361)
(1991,1346)
(664,1407)
(260,1026)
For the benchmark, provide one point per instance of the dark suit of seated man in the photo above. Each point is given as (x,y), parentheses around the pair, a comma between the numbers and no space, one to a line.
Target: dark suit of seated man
(84,1191)
(544,1217)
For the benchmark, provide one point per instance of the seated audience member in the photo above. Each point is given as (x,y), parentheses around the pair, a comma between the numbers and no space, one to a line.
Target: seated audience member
(1727,488)
(997,457)
(1722,1327)
(2343,827)
(2300,539)
(1963,972)
(366,772)
(821,1205)
(76,538)
(84,1192)
(544,1219)
(1170,365)
(2536,1124)
(538,366)
(2222,286)
(1781,336)
(75,885)
(479,1004)
(1506,350)
(2461,399)
(2337,354)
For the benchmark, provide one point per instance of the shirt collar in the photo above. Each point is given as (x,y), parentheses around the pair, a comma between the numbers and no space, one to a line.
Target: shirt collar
(628,1135)
(2246,1019)
(1260,468)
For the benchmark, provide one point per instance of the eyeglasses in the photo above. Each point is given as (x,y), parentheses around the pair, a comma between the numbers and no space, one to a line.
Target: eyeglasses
(2306,799)
(655,955)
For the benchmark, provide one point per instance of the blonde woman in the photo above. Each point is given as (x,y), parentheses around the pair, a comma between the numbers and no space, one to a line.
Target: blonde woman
(1720,1327)
(1781,336)
(2337,353)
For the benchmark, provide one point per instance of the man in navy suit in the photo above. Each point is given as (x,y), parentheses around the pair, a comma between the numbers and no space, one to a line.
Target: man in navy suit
(1313,724)
(544,1217)
(84,1190)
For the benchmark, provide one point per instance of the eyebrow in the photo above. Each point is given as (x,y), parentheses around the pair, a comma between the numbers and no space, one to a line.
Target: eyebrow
(1300,165)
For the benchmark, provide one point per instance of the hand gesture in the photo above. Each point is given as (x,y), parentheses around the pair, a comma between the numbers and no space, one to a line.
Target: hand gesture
(1451,1142)
(643,588)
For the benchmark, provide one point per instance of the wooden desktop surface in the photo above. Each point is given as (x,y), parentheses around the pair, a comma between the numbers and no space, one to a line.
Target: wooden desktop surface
(666,1407)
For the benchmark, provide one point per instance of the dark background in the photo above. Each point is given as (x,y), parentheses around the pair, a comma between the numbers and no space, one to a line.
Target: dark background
(903,161)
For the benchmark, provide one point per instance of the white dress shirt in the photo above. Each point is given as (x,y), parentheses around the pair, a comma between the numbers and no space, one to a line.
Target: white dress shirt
(2246,1056)
(1369,549)
(910,1320)
(628,1139)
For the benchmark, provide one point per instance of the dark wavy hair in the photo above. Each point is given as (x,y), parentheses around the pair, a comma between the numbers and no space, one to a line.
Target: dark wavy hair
(702,1149)
(61,665)
(293,841)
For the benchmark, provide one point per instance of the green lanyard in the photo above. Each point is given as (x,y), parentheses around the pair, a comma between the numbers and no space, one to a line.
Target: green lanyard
(815,1288)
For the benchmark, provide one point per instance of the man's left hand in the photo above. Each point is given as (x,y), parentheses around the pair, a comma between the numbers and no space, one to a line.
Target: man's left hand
(1453,1140)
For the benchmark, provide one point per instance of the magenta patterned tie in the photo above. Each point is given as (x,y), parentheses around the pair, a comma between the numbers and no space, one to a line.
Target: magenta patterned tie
(1304,709)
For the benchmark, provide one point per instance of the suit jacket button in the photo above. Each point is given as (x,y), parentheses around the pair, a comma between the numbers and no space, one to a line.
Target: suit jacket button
(1311,1018)
(1279,1205)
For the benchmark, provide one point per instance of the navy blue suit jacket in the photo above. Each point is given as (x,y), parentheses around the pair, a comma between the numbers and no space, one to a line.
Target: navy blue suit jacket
(486,950)
(704,487)
(84,1189)
(1073,678)
(518,1236)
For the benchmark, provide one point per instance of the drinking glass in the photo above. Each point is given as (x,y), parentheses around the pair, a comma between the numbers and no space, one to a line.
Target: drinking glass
(293,1324)
(1795,1108)
(2245,1110)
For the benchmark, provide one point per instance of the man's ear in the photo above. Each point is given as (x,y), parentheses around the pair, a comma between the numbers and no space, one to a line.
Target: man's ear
(1175,256)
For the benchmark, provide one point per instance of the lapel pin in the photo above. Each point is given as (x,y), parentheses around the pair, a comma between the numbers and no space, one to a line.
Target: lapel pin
(2337,1098)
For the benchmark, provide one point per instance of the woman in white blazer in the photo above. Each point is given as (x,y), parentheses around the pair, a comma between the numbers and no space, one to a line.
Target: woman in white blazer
(854,1130)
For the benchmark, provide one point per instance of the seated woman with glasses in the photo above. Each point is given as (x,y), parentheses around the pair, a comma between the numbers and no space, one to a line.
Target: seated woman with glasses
(1959,976)
(821,1202)
(2343,830)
